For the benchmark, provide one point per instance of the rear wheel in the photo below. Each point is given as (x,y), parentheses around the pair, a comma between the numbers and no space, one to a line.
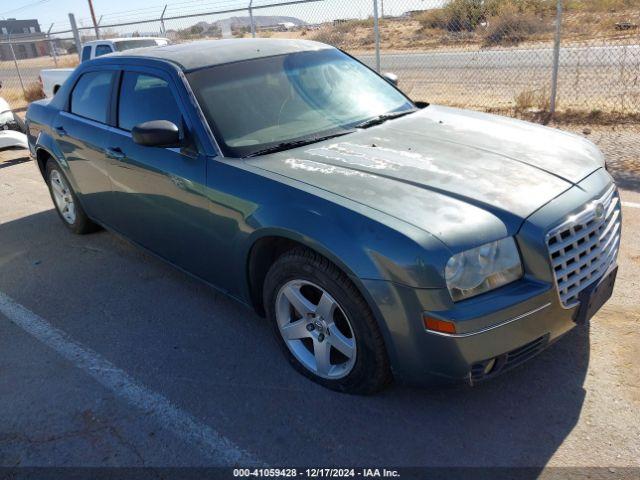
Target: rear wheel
(66,202)
(324,326)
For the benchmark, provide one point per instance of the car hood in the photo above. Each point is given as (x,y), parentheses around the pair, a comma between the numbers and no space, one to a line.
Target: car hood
(444,170)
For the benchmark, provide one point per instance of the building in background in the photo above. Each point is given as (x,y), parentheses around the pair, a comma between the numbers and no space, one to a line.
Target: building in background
(27,39)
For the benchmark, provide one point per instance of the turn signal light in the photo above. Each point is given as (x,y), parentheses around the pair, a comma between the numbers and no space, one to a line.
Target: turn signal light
(437,325)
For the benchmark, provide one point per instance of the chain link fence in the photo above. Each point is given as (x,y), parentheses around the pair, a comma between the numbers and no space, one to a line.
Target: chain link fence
(579,59)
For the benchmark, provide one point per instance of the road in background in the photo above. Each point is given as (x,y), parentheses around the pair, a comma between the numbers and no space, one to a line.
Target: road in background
(479,78)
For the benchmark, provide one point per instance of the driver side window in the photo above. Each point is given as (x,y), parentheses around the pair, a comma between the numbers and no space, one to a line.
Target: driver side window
(145,97)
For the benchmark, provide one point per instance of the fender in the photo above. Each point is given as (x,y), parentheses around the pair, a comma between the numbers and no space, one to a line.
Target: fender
(360,246)
(357,254)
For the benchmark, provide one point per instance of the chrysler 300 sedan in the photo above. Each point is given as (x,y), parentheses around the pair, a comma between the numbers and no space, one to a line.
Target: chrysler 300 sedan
(382,238)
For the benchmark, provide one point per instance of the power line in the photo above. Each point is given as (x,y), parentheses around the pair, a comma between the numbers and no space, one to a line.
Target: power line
(39,2)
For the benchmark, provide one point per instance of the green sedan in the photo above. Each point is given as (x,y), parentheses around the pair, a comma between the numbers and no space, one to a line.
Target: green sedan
(382,238)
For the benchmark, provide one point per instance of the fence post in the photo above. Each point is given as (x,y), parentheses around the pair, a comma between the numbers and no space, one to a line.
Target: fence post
(556,61)
(52,46)
(376,32)
(253,25)
(76,34)
(164,30)
(15,62)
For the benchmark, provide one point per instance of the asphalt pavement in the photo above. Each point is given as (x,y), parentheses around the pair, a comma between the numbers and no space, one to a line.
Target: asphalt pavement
(110,357)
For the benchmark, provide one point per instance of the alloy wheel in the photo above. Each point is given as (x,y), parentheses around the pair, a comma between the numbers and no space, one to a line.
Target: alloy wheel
(315,329)
(62,197)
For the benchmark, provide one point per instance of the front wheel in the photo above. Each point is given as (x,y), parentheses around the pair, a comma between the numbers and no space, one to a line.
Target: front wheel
(66,202)
(324,326)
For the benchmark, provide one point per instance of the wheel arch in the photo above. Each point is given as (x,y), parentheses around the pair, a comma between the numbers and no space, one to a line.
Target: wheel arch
(42,157)
(266,248)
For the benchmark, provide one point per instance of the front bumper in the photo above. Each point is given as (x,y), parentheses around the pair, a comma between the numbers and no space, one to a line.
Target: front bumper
(513,334)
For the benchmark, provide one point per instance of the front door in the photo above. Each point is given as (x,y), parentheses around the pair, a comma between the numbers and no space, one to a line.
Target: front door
(158,191)
(82,134)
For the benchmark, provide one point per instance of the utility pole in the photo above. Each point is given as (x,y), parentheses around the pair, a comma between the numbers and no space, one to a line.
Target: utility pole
(93,17)
(76,34)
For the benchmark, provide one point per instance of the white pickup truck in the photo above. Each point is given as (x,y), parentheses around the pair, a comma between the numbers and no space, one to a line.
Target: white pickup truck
(52,78)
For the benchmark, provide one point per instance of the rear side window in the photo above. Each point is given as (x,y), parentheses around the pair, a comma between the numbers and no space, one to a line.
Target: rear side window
(86,53)
(144,98)
(103,50)
(91,95)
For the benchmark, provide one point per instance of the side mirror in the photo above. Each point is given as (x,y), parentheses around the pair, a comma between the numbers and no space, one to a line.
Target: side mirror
(156,133)
(392,78)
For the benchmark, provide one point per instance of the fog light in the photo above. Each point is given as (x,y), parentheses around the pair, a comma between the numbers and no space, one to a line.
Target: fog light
(437,325)
(489,366)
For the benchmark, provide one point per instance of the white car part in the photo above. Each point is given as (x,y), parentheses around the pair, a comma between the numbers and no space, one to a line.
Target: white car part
(12,139)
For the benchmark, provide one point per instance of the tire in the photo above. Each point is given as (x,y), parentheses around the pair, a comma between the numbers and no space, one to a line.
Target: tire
(343,324)
(68,207)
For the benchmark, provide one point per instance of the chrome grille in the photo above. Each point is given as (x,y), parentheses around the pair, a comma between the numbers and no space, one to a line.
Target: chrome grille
(584,247)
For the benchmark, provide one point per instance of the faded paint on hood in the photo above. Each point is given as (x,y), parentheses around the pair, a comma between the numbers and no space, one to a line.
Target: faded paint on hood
(445,170)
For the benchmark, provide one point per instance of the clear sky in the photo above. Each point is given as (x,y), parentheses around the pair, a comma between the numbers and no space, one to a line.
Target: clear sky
(50,11)
(116,11)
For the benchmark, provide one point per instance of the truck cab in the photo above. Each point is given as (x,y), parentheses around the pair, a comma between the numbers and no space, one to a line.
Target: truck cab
(53,78)
(97,48)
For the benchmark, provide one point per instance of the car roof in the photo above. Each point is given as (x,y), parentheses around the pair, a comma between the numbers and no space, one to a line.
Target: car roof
(208,53)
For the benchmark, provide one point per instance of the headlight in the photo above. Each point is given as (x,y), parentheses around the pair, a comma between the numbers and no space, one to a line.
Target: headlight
(481,269)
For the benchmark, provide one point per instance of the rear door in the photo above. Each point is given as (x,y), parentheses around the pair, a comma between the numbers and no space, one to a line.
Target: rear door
(158,192)
(82,133)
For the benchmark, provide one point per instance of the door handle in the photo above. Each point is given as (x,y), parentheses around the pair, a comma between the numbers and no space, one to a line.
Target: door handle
(60,131)
(115,153)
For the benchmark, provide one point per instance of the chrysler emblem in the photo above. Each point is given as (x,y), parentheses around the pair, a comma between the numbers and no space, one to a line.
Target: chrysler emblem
(599,211)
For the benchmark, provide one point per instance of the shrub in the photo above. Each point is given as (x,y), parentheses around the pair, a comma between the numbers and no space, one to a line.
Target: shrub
(328,36)
(456,16)
(525,100)
(533,98)
(601,5)
(69,61)
(511,28)
(33,92)
(349,26)
(467,15)
(436,18)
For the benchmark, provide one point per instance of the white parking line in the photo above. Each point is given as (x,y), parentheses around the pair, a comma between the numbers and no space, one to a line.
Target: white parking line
(631,204)
(212,444)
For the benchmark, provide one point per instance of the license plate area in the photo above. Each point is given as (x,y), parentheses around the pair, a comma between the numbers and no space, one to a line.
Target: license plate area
(595,296)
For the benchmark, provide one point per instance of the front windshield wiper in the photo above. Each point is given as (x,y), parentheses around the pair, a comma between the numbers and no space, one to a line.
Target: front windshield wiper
(380,119)
(295,143)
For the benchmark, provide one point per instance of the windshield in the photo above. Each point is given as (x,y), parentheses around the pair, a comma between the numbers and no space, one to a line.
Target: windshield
(255,104)
(129,44)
